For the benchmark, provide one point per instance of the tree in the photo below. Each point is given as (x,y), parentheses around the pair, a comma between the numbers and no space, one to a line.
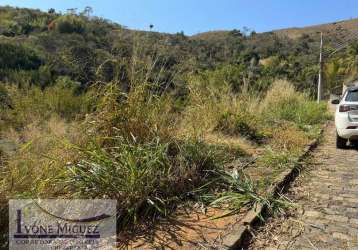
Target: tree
(245,31)
(87,11)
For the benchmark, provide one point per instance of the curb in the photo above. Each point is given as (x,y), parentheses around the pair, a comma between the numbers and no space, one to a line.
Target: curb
(241,232)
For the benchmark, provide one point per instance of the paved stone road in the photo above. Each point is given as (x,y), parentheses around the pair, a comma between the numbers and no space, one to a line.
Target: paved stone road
(326,216)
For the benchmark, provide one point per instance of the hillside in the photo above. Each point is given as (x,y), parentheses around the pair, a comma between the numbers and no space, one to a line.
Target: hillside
(334,29)
(58,45)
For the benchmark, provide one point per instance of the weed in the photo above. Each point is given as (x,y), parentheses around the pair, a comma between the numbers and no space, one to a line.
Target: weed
(241,123)
(276,159)
(241,191)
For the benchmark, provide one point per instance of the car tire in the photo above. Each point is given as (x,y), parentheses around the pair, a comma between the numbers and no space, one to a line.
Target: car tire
(354,143)
(341,142)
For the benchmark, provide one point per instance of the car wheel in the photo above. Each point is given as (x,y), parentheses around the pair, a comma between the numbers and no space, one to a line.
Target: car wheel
(341,142)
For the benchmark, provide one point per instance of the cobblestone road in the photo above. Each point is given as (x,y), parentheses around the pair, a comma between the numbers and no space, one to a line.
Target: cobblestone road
(326,195)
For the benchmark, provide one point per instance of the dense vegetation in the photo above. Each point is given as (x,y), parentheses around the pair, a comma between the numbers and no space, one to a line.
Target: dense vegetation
(43,46)
(39,47)
(150,119)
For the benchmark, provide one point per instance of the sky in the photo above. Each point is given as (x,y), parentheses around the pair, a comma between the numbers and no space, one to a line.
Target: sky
(195,16)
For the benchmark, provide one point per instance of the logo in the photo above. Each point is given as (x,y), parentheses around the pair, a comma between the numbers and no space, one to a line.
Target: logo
(62,224)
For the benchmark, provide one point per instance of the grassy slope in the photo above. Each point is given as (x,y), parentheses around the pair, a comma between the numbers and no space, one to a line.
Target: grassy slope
(335,29)
(332,30)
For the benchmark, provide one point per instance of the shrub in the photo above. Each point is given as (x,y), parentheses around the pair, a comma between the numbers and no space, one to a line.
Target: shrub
(14,56)
(79,62)
(70,24)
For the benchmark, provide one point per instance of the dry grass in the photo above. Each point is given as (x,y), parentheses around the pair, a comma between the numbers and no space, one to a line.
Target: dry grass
(40,156)
(244,144)
(281,90)
(284,103)
(206,104)
(138,148)
(139,114)
(215,111)
(336,28)
(142,116)
(288,138)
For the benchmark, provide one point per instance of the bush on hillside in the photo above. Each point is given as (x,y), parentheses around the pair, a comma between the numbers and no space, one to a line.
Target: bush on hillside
(70,24)
(79,62)
(15,56)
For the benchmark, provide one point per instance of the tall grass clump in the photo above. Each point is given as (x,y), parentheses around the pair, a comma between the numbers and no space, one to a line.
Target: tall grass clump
(293,119)
(137,113)
(114,142)
(288,138)
(238,191)
(147,179)
(217,109)
(284,103)
(40,156)
(205,105)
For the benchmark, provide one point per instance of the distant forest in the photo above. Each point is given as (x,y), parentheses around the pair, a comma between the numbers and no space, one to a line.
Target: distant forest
(41,48)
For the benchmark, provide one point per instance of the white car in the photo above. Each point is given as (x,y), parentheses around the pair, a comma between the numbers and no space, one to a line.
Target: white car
(346,117)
